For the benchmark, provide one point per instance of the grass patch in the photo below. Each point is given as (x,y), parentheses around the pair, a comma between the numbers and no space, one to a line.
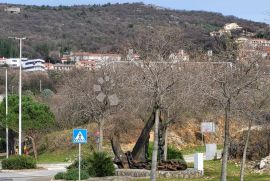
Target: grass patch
(212,173)
(194,149)
(61,156)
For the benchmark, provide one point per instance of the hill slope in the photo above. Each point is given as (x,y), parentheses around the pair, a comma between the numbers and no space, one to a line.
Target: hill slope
(106,28)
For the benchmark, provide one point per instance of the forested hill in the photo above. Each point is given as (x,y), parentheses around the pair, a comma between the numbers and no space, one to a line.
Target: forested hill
(106,28)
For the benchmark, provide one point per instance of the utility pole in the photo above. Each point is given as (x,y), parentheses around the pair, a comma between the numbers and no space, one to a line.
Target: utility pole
(40,86)
(20,94)
(7,150)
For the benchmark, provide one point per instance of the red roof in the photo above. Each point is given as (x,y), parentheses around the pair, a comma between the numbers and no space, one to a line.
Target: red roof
(94,54)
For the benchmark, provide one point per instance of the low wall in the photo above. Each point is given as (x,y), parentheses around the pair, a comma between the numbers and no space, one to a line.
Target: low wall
(188,173)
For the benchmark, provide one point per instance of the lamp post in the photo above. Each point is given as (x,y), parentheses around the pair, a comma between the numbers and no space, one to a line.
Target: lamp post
(7,149)
(20,94)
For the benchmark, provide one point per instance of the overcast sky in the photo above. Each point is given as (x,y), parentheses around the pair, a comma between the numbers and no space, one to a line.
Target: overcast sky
(257,10)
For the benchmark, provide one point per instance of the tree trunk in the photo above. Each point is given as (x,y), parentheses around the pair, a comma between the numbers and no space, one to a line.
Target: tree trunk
(226,143)
(166,144)
(162,140)
(34,146)
(245,152)
(100,143)
(120,157)
(153,173)
(11,142)
(139,152)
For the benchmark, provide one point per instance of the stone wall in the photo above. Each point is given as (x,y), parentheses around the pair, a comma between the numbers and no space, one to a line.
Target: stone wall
(188,173)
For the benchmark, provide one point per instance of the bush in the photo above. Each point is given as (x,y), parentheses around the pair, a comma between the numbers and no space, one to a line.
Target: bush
(84,164)
(172,154)
(72,174)
(99,164)
(59,176)
(19,162)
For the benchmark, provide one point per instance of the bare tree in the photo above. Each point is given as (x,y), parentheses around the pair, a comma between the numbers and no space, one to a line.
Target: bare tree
(157,77)
(252,107)
(91,96)
(228,83)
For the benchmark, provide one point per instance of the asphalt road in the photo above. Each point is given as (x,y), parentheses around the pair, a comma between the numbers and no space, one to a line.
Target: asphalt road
(46,173)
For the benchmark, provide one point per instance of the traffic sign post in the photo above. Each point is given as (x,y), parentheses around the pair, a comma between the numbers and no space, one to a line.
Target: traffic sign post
(79,137)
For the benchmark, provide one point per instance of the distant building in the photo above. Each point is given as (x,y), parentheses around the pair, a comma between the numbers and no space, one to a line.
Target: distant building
(2,61)
(98,57)
(14,62)
(255,48)
(91,60)
(231,26)
(181,56)
(89,65)
(131,56)
(63,66)
(49,66)
(33,65)
(27,64)
(13,10)
(227,29)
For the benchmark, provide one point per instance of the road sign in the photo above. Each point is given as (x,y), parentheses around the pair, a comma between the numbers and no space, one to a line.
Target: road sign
(80,136)
(208,127)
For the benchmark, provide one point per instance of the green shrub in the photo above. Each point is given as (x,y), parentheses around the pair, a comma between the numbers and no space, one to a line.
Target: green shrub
(72,174)
(59,176)
(47,93)
(19,162)
(84,164)
(101,165)
(172,154)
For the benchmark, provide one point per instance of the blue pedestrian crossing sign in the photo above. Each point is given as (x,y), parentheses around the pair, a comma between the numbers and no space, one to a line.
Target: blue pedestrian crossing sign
(80,136)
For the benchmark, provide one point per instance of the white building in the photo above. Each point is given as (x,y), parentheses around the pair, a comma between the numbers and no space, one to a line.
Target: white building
(181,56)
(27,65)
(231,26)
(79,56)
(13,10)
(33,65)
(14,62)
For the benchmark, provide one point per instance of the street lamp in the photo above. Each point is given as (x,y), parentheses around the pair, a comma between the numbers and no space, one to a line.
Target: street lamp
(20,94)
(7,144)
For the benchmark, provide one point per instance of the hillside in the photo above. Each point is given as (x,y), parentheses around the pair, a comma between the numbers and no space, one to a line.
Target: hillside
(107,28)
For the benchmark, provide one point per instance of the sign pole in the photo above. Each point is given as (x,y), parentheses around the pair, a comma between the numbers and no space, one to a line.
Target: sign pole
(80,137)
(79,161)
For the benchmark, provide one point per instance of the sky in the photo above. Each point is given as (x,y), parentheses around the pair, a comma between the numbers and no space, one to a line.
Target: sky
(256,10)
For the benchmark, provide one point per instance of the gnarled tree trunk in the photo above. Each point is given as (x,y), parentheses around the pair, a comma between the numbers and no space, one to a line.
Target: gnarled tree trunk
(34,146)
(139,152)
(120,157)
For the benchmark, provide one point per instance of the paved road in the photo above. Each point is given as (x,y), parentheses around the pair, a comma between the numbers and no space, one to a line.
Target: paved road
(45,174)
